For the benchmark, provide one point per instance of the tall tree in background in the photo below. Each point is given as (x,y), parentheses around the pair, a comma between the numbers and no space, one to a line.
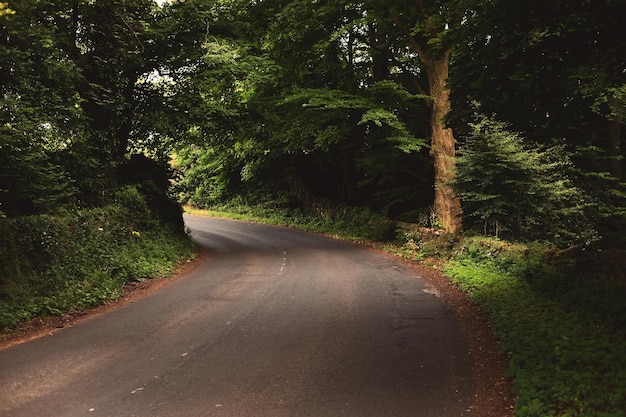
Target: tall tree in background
(425,24)
(554,71)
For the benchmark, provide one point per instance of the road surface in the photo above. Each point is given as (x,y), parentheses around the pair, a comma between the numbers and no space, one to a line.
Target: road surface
(273,322)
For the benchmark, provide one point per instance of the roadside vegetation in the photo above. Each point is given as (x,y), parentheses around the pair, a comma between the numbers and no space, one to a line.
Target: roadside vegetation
(355,119)
(72,260)
(559,314)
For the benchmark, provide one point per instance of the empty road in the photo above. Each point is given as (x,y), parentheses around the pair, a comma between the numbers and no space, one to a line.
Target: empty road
(272,322)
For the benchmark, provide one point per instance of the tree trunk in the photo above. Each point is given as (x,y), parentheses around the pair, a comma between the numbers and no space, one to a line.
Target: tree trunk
(447,206)
(436,64)
(380,52)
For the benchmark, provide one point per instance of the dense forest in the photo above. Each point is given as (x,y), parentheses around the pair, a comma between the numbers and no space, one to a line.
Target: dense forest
(496,125)
(505,115)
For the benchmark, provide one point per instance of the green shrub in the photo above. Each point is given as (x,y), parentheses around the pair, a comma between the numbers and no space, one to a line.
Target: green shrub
(53,264)
(564,333)
(510,188)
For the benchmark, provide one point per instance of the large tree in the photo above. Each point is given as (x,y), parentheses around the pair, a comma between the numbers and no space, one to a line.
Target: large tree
(75,73)
(344,84)
(38,110)
(425,26)
(399,42)
(294,94)
(553,71)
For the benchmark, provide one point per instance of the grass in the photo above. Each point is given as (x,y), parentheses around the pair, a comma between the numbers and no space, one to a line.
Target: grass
(58,264)
(563,328)
(563,362)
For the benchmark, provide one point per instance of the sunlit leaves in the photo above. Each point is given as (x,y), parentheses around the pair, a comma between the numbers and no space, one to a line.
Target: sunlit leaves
(513,189)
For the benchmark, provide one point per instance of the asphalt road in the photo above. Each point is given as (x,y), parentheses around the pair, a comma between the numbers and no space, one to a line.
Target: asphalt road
(274,322)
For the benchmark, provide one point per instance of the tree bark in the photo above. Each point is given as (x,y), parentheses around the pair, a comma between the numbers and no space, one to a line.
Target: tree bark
(447,206)
(436,64)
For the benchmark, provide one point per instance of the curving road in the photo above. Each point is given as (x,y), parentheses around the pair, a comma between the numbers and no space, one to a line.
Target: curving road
(274,322)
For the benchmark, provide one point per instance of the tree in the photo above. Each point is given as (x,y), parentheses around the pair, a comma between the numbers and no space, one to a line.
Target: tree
(112,46)
(509,188)
(425,26)
(293,96)
(76,72)
(38,112)
(554,72)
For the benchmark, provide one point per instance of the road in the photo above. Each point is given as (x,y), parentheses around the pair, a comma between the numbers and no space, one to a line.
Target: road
(273,322)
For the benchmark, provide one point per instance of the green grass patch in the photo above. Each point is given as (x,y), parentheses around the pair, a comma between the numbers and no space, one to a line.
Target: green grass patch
(563,331)
(64,263)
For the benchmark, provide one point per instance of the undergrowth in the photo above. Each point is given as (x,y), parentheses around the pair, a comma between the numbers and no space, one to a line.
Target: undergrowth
(351,223)
(564,330)
(68,262)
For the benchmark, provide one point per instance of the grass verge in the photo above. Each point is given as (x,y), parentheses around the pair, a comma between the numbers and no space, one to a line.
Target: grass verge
(51,265)
(566,357)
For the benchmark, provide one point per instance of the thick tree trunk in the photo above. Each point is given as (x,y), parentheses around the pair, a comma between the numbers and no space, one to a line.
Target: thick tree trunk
(436,64)
(447,206)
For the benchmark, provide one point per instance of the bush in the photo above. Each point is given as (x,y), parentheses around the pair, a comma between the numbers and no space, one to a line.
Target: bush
(67,262)
(509,188)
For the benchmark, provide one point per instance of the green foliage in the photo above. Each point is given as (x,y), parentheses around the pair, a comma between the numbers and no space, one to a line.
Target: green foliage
(551,70)
(206,179)
(5,10)
(283,88)
(354,223)
(78,259)
(564,331)
(31,182)
(509,188)
(75,74)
